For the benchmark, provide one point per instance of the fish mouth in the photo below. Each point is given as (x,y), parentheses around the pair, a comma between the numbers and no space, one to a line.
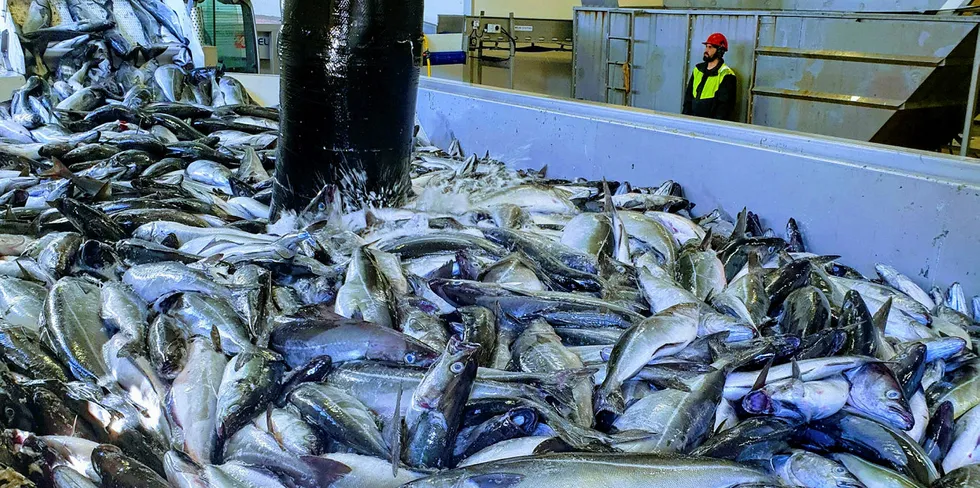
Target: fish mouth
(605,418)
(904,416)
(458,346)
(757,402)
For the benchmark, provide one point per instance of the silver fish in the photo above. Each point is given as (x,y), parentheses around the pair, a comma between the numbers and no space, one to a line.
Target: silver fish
(193,399)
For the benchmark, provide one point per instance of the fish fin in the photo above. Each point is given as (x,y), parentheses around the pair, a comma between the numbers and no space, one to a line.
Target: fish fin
(542,173)
(608,206)
(271,427)
(130,350)
(555,444)
(170,241)
(794,236)
(753,261)
(325,471)
(240,360)
(824,259)
(216,339)
(23,272)
(760,382)
(634,435)
(495,480)
(9,214)
(605,353)
(740,225)
(880,318)
(567,375)
(371,221)
(724,422)
(469,166)
(676,384)
(165,301)
(705,244)
(797,374)
(393,433)
(104,193)
(58,169)
(214,259)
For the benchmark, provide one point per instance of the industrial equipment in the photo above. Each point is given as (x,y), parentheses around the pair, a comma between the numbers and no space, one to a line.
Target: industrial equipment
(521,53)
(496,41)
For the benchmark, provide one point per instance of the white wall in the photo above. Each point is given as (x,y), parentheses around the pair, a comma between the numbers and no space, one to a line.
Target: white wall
(271,8)
(551,9)
(447,7)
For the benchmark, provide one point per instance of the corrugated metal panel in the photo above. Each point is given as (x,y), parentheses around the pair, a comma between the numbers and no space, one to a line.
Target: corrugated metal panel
(819,117)
(845,76)
(881,77)
(881,36)
(659,61)
(589,60)
(824,5)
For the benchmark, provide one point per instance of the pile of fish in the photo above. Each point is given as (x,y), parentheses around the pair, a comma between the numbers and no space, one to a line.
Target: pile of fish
(502,329)
(125,31)
(106,78)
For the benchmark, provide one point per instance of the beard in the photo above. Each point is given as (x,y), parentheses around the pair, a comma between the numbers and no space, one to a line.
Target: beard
(708,59)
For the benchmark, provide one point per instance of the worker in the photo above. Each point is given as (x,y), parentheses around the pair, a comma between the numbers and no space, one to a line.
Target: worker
(711,89)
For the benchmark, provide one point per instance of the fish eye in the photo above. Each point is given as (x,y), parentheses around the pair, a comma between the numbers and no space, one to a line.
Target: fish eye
(456,367)
(893,395)
(410,358)
(9,413)
(321,206)
(839,470)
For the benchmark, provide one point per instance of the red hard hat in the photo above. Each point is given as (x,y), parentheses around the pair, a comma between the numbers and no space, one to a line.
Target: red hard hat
(718,40)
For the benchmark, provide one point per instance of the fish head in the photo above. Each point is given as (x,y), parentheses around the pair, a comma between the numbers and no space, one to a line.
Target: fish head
(787,398)
(421,356)
(803,468)
(449,377)
(98,258)
(459,292)
(460,356)
(876,392)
